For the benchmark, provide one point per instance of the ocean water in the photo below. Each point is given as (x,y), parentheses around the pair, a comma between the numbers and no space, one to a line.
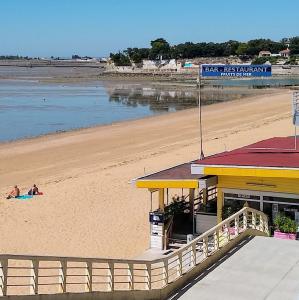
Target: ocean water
(29,108)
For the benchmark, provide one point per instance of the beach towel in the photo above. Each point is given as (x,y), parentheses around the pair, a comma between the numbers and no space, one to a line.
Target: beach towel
(26,197)
(22,197)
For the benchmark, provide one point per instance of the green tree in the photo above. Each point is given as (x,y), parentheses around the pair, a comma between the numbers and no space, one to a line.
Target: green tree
(189,50)
(159,47)
(262,60)
(230,47)
(120,59)
(257,45)
(137,54)
(294,45)
(292,60)
(242,49)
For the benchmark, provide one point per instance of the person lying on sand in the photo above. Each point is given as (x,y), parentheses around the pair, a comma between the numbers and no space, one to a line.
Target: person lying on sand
(33,190)
(14,193)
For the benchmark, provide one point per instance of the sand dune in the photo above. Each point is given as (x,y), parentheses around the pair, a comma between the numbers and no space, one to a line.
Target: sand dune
(89,207)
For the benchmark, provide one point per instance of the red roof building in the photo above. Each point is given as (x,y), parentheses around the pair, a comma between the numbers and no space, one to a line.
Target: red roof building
(263,175)
(277,152)
(285,53)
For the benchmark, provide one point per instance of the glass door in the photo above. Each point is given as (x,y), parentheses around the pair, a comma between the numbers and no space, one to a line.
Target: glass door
(287,206)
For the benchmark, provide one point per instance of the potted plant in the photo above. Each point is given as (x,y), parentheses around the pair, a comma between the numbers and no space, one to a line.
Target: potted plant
(285,227)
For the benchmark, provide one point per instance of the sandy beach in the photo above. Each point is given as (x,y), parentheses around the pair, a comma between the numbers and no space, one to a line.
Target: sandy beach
(89,207)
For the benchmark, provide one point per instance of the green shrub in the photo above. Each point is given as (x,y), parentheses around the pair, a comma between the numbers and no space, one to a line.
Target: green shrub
(262,60)
(175,208)
(285,224)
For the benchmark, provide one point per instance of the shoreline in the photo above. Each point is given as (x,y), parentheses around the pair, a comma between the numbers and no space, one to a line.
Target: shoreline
(89,205)
(85,72)
(97,126)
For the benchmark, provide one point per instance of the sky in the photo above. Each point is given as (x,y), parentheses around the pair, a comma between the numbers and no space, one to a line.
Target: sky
(44,28)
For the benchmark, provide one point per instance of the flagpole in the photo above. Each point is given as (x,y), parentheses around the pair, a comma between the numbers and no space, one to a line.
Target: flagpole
(295,138)
(201,156)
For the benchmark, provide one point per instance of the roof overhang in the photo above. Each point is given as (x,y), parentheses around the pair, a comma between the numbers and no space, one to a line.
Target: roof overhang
(178,176)
(248,171)
(201,183)
(160,184)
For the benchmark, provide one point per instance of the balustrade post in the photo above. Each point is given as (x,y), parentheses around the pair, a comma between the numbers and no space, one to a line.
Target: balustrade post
(1,279)
(166,271)
(254,220)
(245,220)
(62,275)
(180,264)
(34,276)
(237,225)
(194,253)
(205,247)
(216,239)
(131,276)
(4,266)
(149,276)
(227,232)
(262,223)
(89,276)
(111,271)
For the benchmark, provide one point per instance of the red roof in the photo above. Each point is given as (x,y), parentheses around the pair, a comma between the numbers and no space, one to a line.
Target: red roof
(180,172)
(275,152)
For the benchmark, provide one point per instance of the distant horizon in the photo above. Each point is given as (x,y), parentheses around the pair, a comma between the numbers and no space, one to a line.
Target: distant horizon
(86,55)
(45,28)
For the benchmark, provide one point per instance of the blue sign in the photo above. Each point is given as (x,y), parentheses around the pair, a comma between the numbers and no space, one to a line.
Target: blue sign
(236,70)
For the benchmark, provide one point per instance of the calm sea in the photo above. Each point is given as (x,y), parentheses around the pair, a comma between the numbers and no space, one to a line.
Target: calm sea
(29,108)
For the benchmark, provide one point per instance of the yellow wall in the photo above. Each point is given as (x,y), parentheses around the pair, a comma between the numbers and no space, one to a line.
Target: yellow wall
(279,185)
(159,184)
(252,172)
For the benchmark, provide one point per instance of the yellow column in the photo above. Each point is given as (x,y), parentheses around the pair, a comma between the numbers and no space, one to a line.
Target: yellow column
(161,199)
(191,202)
(204,196)
(219,204)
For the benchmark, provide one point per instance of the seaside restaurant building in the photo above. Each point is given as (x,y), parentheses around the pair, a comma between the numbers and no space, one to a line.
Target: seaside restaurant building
(263,175)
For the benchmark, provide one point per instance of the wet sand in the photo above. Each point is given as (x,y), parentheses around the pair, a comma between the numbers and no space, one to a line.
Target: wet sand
(89,207)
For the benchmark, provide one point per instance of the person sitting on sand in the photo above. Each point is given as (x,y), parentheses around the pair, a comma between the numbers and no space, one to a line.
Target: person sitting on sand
(33,190)
(14,193)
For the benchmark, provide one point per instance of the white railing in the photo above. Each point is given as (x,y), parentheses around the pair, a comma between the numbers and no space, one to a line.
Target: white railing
(24,275)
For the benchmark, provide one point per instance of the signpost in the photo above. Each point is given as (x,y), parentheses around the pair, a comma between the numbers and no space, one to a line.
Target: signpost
(296,114)
(230,71)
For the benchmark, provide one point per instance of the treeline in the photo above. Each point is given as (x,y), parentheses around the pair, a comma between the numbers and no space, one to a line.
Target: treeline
(13,57)
(161,48)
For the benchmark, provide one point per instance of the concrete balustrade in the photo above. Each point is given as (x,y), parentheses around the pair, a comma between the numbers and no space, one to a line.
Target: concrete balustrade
(39,275)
